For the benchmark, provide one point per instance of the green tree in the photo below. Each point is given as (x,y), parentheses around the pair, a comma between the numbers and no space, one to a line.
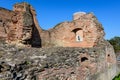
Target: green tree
(116,43)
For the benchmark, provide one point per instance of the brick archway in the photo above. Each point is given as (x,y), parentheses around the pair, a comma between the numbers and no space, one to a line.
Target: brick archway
(78,34)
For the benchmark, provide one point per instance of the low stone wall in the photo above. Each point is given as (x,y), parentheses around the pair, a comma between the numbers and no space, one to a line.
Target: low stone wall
(56,63)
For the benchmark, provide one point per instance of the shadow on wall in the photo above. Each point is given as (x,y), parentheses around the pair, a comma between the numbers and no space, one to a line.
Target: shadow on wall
(36,39)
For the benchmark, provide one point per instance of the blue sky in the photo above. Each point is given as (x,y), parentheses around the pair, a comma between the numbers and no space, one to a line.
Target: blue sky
(52,12)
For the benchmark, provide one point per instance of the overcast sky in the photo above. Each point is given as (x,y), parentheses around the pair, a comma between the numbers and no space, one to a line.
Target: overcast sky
(52,12)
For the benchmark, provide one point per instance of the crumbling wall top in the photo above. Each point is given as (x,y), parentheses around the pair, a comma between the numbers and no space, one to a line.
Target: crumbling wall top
(77,15)
(21,7)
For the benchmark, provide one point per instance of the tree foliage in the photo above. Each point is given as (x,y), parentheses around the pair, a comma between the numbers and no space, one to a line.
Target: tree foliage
(117,77)
(116,43)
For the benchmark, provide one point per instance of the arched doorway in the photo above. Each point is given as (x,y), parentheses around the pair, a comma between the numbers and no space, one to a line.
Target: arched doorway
(79,34)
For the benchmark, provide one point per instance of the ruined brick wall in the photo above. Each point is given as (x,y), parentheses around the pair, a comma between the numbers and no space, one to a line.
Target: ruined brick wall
(5,22)
(83,31)
(24,24)
(20,26)
(94,61)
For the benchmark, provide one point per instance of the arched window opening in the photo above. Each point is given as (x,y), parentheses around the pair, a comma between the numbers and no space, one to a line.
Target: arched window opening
(84,59)
(79,34)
